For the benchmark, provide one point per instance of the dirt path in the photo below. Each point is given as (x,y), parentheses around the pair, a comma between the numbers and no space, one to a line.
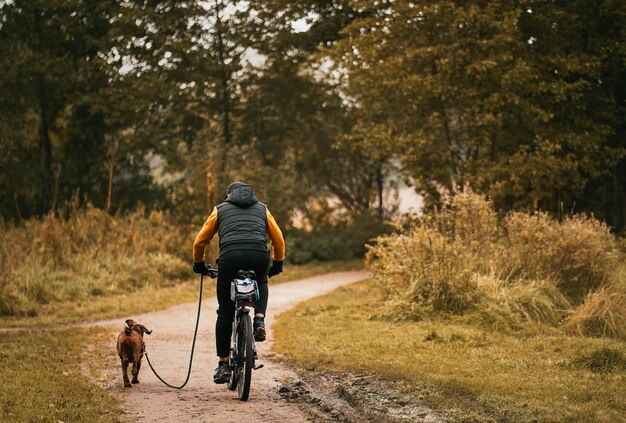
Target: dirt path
(201,399)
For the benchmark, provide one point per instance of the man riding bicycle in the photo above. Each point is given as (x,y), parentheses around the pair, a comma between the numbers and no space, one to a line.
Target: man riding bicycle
(243,224)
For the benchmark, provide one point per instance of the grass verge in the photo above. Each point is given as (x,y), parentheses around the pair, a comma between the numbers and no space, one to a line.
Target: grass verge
(44,378)
(152,298)
(478,374)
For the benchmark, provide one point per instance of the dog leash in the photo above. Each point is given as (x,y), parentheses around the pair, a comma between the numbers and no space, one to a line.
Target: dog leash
(193,344)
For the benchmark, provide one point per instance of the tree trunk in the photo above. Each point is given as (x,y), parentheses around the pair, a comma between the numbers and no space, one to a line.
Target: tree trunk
(225,96)
(56,171)
(454,170)
(112,155)
(619,200)
(16,201)
(45,150)
(107,206)
(380,185)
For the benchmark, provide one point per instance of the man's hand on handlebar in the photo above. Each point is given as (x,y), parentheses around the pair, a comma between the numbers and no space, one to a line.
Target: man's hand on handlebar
(202,269)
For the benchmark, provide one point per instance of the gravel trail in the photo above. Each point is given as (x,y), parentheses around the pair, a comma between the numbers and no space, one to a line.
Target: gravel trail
(201,399)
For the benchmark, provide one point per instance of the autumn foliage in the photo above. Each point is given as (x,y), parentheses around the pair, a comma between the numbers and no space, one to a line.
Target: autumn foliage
(505,270)
(86,255)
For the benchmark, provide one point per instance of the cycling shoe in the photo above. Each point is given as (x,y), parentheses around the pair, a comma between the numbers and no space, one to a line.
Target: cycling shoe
(259,329)
(222,373)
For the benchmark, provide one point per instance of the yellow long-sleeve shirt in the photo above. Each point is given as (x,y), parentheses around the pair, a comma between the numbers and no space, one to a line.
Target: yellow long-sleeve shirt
(209,229)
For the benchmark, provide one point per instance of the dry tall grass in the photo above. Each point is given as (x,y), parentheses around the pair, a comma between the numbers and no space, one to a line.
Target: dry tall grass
(523,268)
(88,254)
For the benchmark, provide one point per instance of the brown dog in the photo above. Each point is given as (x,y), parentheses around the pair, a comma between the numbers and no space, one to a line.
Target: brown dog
(130,348)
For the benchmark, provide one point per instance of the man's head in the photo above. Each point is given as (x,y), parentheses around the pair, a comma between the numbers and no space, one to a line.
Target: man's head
(234,185)
(241,194)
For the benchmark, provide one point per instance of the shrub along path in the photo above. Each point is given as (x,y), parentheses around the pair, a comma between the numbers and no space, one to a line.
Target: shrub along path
(163,294)
(201,398)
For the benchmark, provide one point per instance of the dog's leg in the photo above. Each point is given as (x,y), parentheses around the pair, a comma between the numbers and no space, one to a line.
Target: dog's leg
(134,372)
(125,374)
(136,376)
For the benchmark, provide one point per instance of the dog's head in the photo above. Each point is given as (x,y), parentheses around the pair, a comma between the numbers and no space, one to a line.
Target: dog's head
(141,329)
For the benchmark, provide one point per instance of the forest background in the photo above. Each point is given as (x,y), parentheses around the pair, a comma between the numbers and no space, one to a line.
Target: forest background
(327,107)
(123,121)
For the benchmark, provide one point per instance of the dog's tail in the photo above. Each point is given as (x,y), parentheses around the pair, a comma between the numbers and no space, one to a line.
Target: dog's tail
(128,331)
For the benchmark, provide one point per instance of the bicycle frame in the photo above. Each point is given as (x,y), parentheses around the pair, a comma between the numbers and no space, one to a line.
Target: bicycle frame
(243,355)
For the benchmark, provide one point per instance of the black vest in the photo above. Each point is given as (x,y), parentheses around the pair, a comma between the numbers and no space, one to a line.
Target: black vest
(242,227)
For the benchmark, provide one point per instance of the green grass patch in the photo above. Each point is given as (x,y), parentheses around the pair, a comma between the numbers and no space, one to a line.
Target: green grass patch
(477,372)
(46,377)
(152,298)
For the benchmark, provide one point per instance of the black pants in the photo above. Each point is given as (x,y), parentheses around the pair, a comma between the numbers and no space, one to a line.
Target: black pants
(229,264)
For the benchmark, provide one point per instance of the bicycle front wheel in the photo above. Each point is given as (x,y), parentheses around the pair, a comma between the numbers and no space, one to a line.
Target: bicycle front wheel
(247,361)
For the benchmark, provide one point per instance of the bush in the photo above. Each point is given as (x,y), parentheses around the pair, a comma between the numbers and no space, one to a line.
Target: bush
(423,268)
(603,313)
(86,254)
(527,268)
(578,252)
(540,302)
(339,240)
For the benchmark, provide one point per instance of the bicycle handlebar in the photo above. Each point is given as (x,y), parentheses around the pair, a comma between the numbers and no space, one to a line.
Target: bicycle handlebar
(212,273)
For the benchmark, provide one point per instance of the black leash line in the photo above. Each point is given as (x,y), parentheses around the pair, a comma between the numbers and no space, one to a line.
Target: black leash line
(193,344)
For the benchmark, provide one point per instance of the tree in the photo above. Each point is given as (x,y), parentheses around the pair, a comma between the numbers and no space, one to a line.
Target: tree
(39,55)
(510,97)
(293,111)
(86,76)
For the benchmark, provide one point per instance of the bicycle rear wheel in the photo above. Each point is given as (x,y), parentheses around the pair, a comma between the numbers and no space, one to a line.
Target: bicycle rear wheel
(247,361)
(235,355)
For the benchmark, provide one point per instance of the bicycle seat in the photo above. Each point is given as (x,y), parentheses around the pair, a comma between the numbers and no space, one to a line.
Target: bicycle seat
(250,274)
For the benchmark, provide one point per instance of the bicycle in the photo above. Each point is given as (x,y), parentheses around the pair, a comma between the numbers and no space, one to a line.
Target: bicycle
(244,291)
